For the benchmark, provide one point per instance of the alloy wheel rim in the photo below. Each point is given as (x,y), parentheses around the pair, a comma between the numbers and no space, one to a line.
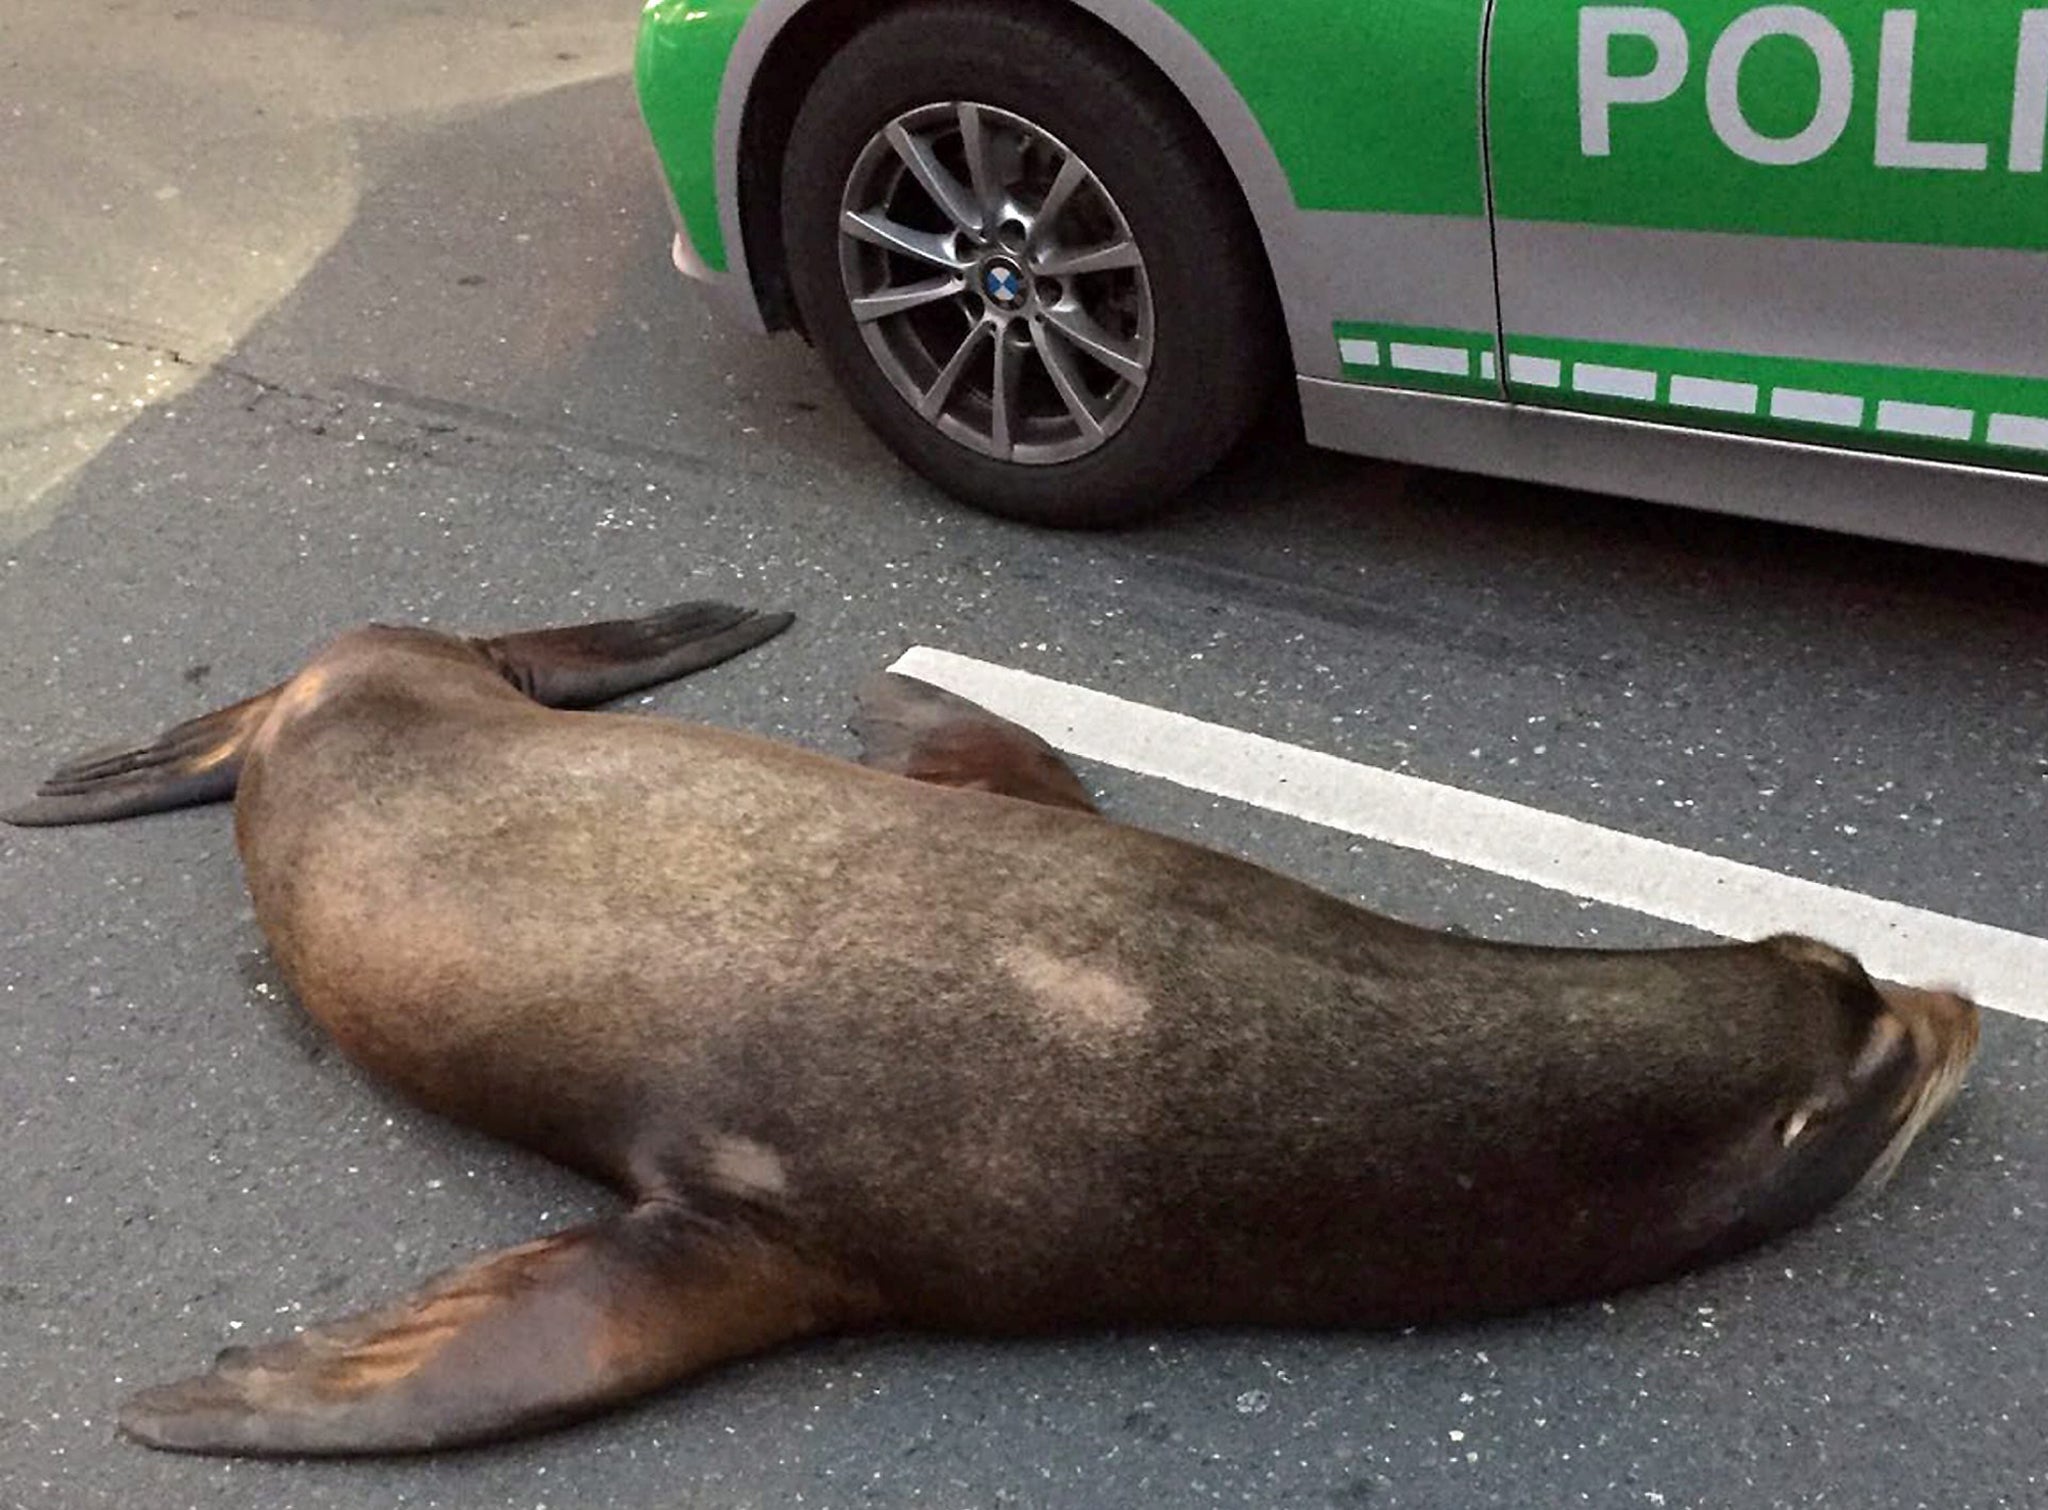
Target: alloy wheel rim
(996,283)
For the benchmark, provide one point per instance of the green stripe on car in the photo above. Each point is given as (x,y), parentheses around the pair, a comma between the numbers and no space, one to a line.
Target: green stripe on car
(1989,416)
(1434,360)
(1997,418)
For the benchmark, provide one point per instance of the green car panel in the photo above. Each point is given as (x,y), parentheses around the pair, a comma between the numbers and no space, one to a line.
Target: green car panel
(1368,107)
(1383,71)
(679,72)
(1854,120)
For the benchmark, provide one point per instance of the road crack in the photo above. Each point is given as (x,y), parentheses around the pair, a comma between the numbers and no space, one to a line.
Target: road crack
(172,354)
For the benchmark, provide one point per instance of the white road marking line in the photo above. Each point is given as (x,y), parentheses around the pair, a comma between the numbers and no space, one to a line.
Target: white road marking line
(1997,967)
(1817,408)
(2021,430)
(1454,361)
(1615,382)
(1359,353)
(1537,372)
(1936,421)
(1713,393)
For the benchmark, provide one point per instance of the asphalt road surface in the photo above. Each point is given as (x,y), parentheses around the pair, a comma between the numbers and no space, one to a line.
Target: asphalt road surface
(319,312)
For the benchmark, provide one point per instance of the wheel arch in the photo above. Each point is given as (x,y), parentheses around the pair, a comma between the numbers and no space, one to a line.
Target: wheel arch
(784,43)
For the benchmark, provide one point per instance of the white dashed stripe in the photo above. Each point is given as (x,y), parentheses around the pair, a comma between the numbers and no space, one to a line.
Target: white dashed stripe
(1713,393)
(1934,421)
(1537,372)
(1451,361)
(1720,395)
(1813,408)
(1615,382)
(1998,967)
(2018,430)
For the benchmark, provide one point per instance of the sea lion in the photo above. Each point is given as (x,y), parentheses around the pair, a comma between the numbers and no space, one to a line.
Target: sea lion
(938,1046)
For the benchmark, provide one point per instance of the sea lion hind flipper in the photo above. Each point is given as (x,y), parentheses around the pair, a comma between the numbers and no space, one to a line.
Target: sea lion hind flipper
(924,732)
(533,1336)
(582,665)
(194,762)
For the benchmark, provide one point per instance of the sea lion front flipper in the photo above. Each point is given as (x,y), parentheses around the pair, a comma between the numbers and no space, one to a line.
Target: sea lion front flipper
(582,665)
(576,666)
(928,734)
(536,1335)
(190,763)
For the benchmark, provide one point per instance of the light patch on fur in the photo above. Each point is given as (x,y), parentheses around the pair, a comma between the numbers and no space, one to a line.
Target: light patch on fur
(302,692)
(744,1167)
(208,759)
(295,697)
(1079,997)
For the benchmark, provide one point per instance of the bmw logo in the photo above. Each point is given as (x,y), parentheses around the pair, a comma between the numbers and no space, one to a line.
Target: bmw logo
(1003,282)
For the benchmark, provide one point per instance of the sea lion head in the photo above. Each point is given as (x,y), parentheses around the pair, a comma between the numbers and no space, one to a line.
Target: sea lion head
(1901,1058)
(1909,1050)
(1939,1029)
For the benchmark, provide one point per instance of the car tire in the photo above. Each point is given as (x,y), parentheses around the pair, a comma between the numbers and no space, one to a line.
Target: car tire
(1114,331)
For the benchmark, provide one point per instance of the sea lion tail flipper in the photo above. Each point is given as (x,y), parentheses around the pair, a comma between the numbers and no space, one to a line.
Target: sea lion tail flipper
(582,665)
(928,734)
(191,763)
(529,1337)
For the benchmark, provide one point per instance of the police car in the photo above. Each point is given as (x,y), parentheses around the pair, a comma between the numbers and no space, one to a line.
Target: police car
(1784,260)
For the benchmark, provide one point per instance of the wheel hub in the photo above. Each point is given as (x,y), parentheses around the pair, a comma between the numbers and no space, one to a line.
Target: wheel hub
(1004,284)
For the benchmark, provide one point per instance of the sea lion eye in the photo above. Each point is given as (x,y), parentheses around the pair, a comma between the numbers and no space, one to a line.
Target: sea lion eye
(1794,1125)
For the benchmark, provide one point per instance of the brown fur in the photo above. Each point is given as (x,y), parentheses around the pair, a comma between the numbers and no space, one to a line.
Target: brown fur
(923,1055)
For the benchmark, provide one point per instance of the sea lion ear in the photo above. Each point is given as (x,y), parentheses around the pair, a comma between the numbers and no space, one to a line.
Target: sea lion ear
(928,734)
(532,1336)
